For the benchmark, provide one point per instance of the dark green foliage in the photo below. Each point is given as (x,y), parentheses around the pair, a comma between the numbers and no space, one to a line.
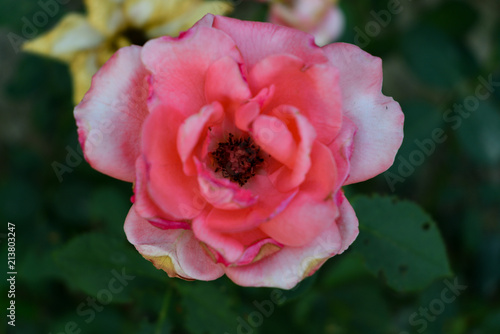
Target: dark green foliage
(435,225)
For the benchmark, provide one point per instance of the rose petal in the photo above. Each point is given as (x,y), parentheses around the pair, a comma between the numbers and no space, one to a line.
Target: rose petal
(322,177)
(347,222)
(272,135)
(232,248)
(270,203)
(225,83)
(192,129)
(222,193)
(302,221)
(313,89)
(290,265)
(342,150)
(179,67)
(378,118)
(247,113)
(258,40)
(110,116)
(173,191)
(177,252)
(285,178)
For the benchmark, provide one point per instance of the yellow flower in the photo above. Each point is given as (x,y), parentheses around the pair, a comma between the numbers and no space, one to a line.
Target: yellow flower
(87,42)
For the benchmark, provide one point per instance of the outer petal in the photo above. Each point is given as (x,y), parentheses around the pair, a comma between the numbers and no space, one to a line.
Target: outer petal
(378,118)
(172,190)
(347,222)
(179,67)
(257,40)
(71,35)
(177,252)
(290,265)
(110,116)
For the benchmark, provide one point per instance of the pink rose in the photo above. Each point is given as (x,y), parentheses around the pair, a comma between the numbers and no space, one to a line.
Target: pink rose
(238,137)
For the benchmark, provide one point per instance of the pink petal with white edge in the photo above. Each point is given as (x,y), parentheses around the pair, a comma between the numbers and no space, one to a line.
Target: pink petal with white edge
(313,89)
(347,222)
(177,252)
(379,118)
(284,269)
(172,190)
(258,40)
(191,131)
(179,66)
(110,116)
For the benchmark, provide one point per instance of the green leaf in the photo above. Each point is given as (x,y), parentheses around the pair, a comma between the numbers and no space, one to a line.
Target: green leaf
(91,261)
(208,309)
(400,242)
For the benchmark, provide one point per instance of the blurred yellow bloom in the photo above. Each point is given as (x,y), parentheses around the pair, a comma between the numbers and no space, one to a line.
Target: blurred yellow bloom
(86,42)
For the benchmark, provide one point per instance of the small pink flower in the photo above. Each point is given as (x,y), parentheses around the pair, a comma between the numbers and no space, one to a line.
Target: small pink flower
(238,137)
(322,18)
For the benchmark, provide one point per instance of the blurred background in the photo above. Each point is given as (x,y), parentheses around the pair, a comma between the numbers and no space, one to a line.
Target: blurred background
(441,61)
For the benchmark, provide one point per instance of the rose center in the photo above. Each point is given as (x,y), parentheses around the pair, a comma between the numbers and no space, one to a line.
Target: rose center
(237,159)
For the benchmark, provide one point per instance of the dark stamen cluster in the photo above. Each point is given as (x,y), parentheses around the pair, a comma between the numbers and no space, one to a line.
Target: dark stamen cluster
(237,159)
